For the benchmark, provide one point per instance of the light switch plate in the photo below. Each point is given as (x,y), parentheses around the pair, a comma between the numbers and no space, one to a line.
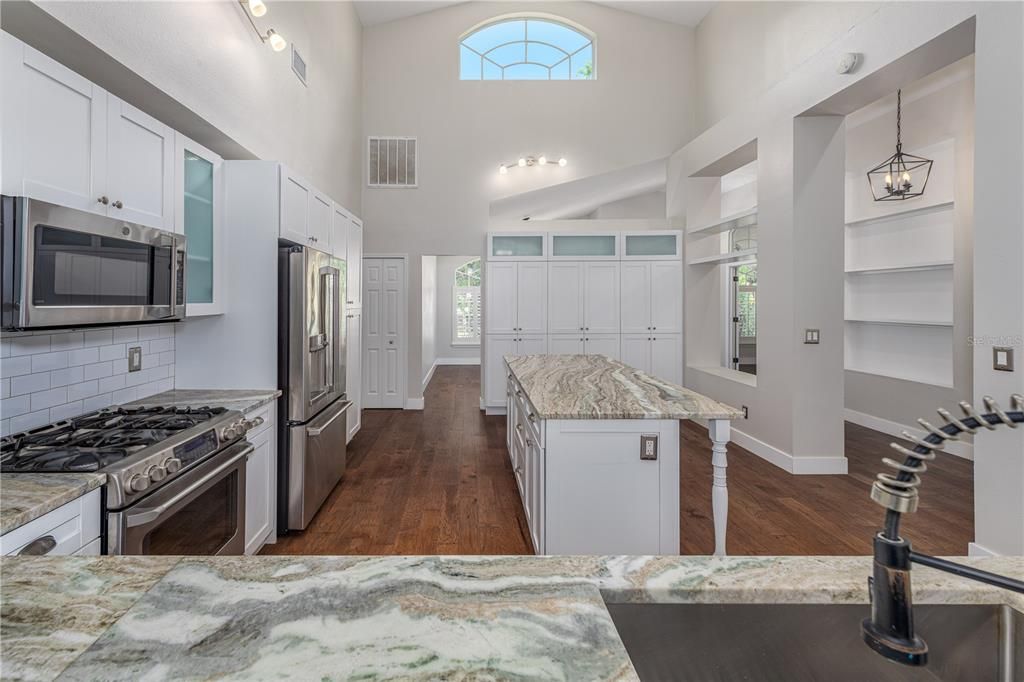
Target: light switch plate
(812,336)
(1002,358)
(135,358)
(648,446)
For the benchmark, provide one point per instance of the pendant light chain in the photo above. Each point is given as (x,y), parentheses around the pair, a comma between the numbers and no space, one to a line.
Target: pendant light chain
(899,119)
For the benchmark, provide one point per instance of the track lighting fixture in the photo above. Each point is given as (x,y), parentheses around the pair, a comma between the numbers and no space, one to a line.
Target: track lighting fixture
(525,161)
(257,8)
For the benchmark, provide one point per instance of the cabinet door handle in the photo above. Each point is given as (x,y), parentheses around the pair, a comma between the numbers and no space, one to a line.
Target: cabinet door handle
(39,546)
(103,200)
(118,204)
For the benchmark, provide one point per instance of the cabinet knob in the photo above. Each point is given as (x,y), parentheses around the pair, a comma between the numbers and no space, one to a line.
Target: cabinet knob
(103,200)
(118,204)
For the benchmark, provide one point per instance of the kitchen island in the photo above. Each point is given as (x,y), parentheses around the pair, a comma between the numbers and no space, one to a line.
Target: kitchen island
(594,445)
(457,617)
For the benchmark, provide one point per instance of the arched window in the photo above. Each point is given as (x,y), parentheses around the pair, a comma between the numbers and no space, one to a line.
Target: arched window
(527,48)
(466,304)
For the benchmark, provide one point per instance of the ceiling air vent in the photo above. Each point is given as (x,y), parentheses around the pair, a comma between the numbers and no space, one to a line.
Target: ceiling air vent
(299,65)
(391,162)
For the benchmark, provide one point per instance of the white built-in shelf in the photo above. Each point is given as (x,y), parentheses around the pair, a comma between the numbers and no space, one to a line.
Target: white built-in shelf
(894,375)
(903,323)
(728,373)
(902,213)
(908,267)
(731,257)
(746,218)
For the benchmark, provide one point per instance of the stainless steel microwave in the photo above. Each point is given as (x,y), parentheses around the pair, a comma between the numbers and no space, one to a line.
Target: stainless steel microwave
(63,267)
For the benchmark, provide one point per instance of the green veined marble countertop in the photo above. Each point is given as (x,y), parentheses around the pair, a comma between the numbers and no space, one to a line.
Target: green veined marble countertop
(459,617)
(26,497)
(597,387)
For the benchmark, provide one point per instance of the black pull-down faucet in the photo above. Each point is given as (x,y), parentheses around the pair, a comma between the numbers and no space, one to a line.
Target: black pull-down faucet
(890,629)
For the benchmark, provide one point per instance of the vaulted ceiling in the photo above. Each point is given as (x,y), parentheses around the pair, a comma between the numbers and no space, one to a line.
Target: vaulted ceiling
(681,12)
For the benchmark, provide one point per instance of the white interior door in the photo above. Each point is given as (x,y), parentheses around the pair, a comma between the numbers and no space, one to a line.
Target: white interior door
(667,297)
(601,298)
(383,332)
(565,298)
(140,166)
(636,301)
(532,297)
(500,302)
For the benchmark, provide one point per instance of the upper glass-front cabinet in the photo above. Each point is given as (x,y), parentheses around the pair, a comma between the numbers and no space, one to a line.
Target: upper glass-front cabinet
(198,217)
(516,246)
(654,245)
(595,246)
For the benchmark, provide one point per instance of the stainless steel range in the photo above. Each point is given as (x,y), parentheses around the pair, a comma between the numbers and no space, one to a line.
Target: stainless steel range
(175,476)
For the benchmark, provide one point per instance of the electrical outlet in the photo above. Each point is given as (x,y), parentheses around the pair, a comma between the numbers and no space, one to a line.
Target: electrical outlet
(746,411)
(812,336)
(135,358)
(1002,358)
(648,446)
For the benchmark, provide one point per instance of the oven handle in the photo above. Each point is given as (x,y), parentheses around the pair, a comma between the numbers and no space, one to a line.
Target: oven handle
(144,515)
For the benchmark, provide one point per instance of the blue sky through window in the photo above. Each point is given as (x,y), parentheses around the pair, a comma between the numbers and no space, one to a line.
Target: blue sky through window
(526,49)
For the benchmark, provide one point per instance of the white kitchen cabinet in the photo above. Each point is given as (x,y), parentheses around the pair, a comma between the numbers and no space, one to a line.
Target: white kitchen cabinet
(140,166)
(516,298)
(198,214)
(660,356)
(651,297)
(54,130)
(516,246)
(575,246)
(339,234)
(354,260)
(653,245)
(534,500)
(353,371)
(261,480)
(496,347)
(295,201)
(602,344)
(636,351)
(69,142)
(583,296)
(580,344)
(72,528)
(321,216)
(566,344)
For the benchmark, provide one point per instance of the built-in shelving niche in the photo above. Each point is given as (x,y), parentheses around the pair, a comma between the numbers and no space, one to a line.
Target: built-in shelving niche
(899,289)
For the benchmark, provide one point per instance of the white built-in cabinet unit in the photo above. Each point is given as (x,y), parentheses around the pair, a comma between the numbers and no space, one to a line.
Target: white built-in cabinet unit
(69,142)
(261,479)
(578,292)
(347,243)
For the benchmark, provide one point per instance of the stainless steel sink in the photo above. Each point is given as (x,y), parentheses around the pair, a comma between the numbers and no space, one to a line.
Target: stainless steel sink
(797,642)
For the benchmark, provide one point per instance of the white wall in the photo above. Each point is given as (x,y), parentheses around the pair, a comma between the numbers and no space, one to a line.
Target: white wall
(649,205)
(446,350)
(207,56)
(744,48)
(466,128)
(428,317)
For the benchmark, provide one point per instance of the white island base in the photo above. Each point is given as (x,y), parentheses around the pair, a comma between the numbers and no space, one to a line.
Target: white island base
(604,485)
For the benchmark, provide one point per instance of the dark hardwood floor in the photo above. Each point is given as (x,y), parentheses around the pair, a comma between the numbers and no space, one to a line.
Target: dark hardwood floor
(439,482)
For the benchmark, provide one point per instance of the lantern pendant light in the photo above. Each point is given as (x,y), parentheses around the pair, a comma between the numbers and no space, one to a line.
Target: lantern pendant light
(901,176)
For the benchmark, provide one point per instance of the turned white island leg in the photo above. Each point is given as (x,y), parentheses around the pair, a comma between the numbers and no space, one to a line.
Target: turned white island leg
(718,429)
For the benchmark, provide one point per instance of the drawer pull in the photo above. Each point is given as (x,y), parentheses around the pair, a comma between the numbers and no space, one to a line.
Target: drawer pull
(532,417)
(519,427)
(39,546)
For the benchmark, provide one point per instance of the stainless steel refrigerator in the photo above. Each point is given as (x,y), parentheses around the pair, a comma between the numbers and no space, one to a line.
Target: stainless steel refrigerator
(311,370)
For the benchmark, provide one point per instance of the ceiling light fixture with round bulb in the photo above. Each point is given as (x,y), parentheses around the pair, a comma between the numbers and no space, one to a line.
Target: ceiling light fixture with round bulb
(503,169)
(542,160)
(563,162)
(522,162)
(257,7)
(277,43)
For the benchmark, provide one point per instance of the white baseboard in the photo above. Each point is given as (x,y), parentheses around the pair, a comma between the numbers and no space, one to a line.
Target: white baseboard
(786,461)
(891,428)
(457,361)
(414,403)
(482,403)
(974,549)
(429,375)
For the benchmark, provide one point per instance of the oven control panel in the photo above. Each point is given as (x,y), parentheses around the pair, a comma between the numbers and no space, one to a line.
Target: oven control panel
(196,449)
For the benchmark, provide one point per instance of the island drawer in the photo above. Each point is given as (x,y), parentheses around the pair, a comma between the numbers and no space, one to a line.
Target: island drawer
(65,530)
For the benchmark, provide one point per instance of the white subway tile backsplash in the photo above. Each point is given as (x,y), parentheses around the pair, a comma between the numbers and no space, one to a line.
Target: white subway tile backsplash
(66,411)
(48,376)
(98,370)
(52,398)
(44,362)
(63,377)
(114,352)
(18,405)
(83,356)
(30,383)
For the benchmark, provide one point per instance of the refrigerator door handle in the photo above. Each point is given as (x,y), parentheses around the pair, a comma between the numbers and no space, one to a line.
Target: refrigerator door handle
(316,429)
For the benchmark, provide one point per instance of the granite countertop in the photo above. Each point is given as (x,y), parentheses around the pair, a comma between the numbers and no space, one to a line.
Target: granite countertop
(598,387)
(242,400)
(113,618)
(26,497)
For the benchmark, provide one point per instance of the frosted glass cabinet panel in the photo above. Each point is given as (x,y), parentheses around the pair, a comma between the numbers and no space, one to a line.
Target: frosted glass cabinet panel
(197,182)
(651,246)
(587,246)
(515,247)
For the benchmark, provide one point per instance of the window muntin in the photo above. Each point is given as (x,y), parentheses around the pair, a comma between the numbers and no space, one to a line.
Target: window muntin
(466,304)
(527,49)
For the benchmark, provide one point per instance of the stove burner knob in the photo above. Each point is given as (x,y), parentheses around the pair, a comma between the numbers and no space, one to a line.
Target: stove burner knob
(172,465)
(156,473)
(229,433)
(138,483)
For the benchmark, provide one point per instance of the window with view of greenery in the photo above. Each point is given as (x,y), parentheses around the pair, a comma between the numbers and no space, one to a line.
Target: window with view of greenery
(527,49)
(466,311)
(743,341)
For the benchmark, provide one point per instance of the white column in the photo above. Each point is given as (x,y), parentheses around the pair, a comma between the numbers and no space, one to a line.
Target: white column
(718,429)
